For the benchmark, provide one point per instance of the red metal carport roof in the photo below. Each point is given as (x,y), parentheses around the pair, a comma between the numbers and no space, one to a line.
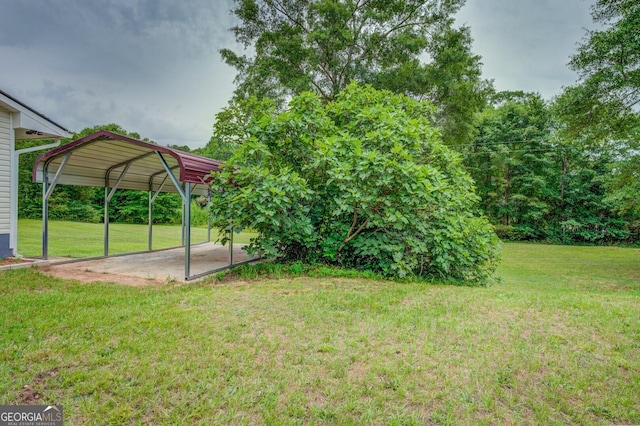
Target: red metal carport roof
(99,159)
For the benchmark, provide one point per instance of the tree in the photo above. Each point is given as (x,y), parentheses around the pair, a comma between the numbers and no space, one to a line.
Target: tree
(608,63)
(406,46)
(230,127)
(602,110)
(624,179)
(535,186)
(510,162)
(581,212)
(362,181)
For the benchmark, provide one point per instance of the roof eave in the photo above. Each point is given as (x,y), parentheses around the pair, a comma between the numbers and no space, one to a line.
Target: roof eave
(41,126)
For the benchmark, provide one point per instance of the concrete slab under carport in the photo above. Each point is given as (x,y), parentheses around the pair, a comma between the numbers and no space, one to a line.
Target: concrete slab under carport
(150,267)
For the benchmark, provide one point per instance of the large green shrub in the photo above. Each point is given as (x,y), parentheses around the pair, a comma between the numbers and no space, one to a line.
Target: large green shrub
(363,181)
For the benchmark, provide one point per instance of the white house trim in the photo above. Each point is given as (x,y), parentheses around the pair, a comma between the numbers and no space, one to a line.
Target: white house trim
(25,123)
(15,162)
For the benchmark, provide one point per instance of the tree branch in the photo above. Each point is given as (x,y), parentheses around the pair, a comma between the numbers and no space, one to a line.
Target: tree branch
(319,89)
(350,234)
(279,7)
(402,23)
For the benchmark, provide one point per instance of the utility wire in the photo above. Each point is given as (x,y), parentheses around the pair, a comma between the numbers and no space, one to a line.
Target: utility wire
(502,142)
(509,151)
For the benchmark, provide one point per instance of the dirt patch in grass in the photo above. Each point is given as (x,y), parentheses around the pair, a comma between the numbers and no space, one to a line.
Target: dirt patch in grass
(74,272)
(29,396)
(5,261)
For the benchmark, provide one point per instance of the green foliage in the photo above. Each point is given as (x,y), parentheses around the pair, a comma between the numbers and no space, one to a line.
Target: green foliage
(199,211)
(230,127)
(609,66)
(601,111)
(532,184)
(322,45)
(508,160)
(361,182)
(275,270)
(623,180)
(111,127)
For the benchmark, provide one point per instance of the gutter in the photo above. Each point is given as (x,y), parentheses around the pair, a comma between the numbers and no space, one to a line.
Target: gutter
(15,163)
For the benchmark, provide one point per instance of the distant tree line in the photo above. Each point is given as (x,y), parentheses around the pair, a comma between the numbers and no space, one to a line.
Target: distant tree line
(569,171)
(535,185)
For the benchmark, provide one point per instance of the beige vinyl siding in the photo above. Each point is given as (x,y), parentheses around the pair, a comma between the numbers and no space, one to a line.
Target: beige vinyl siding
(5,172)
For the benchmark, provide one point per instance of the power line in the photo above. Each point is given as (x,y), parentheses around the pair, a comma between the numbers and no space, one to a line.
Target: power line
(510,151)
(503,142)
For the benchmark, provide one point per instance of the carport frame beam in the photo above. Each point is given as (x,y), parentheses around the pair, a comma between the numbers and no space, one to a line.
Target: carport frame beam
(47,190)
(152,198)
(187,230)
(109,194)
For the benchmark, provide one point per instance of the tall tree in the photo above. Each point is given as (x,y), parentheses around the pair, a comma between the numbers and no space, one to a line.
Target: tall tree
(603,108)
(533,185)
(407,46)
(510,163)
(608,63)
(623,183)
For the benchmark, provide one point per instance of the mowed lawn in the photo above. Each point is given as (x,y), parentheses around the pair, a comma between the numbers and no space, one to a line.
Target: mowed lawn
(77,239)
(557,342)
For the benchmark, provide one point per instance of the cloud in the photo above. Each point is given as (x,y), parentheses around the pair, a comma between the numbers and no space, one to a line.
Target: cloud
(151,66)
(526,45)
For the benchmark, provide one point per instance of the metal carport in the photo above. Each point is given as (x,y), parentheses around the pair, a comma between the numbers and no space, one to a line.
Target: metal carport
(113,161)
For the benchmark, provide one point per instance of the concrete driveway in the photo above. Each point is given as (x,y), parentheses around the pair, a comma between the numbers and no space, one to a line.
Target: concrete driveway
(159,266)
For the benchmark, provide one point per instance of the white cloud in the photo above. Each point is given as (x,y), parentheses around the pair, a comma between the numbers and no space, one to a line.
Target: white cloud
(151,66)
(526,45)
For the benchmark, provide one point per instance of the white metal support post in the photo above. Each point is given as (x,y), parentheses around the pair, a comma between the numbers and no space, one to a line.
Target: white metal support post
(208,218)
(45,213)
(182,218)
(13,190)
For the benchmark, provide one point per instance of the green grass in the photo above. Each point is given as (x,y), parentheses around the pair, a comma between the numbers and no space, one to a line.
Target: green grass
(77,239)
(558,342)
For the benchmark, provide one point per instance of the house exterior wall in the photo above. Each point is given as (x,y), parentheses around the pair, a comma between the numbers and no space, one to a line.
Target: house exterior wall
(5,182)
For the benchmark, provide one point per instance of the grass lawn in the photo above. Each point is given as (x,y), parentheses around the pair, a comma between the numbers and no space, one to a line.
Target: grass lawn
(76,239)
(557,342)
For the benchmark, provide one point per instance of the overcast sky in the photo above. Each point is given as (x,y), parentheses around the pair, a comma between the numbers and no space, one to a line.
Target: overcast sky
(152,66)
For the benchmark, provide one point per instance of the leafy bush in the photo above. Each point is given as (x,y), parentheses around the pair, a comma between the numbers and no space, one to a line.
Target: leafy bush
(505,232)
(361,182)
(199,213)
